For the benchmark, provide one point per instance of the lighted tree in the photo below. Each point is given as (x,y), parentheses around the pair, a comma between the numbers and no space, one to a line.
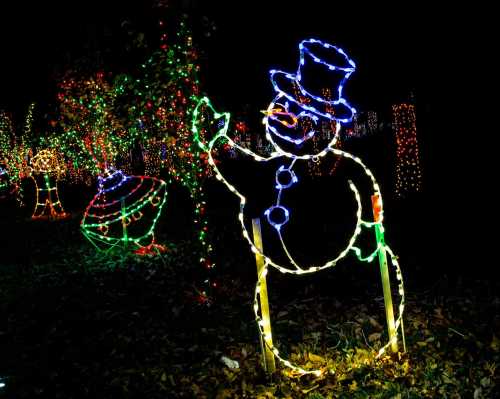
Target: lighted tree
(90,135)
(6,142)
(164,97)
(14,153)
(6,137)
(372,121)
(126,208)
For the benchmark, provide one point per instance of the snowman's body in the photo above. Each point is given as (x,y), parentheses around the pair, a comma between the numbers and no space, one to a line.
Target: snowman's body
(307,223)
(276,189)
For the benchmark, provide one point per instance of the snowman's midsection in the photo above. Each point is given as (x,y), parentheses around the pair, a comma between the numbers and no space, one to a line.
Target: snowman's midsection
(311,223)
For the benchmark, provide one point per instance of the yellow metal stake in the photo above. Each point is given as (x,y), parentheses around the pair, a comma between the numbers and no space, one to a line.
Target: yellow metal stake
(384,272)
(267,354)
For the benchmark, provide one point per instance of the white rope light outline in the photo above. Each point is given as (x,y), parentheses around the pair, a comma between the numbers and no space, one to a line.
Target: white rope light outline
(222,134)
(153,196)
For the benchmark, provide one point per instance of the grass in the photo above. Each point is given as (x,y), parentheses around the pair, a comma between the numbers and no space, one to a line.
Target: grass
(78,324)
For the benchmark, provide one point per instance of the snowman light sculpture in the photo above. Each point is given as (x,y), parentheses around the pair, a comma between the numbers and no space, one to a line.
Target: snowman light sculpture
(292,118)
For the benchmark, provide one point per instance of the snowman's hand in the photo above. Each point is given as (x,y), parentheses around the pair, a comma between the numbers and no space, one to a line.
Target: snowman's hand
(208,125)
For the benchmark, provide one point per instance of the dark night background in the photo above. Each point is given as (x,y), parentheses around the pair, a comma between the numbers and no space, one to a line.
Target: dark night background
(75,321)
(398,49)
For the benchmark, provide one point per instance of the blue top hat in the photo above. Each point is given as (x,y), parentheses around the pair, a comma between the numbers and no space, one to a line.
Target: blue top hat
(321,66)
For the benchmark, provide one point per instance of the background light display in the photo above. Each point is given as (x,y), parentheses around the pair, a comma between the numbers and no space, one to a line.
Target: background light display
(163,97)
(408,173)
(15,152)
(137,122)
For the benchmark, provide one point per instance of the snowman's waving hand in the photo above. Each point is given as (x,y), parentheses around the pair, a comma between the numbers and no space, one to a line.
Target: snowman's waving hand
(210,131)
(208,125)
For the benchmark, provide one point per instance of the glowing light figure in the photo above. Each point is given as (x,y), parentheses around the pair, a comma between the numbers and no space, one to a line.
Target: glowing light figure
(124,212)
(7,188)
(47,166)
(282,119)
(126,208)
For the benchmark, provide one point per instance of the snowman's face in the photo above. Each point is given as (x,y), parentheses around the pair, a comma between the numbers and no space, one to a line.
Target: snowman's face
(289,126)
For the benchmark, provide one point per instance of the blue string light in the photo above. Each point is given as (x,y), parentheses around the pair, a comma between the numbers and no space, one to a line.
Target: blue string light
(275,224)
(308,50)
(114,175)
(292,176)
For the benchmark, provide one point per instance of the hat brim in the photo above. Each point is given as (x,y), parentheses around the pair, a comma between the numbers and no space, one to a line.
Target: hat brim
(338,110)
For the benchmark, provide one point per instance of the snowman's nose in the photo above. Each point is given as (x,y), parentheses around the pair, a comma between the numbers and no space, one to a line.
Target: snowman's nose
(287,119)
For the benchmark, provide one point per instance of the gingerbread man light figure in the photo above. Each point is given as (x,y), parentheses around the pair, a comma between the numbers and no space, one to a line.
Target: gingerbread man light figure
(292,118)
(47,167)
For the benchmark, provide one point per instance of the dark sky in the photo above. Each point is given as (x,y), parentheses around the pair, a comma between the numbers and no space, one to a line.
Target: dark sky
(396,48)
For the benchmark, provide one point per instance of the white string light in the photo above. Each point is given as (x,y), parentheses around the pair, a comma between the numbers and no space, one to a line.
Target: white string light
(280,114)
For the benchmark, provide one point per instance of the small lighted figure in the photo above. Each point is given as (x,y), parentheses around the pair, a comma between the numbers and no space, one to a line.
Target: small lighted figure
(295,115)
(124,212)
(47,167)
(6,186)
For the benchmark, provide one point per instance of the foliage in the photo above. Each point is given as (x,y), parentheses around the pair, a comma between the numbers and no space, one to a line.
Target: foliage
(83,325)
(15,152)
(90,135)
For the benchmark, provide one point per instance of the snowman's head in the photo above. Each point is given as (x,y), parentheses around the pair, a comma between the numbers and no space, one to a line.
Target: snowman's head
(294,129)
(310,101)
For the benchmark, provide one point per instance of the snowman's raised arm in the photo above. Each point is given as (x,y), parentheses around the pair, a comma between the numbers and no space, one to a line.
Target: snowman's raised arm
(209,129)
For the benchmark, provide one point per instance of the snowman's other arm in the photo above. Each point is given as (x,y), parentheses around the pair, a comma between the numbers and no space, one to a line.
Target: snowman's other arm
(209,129)
(364,180)
(367,186)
